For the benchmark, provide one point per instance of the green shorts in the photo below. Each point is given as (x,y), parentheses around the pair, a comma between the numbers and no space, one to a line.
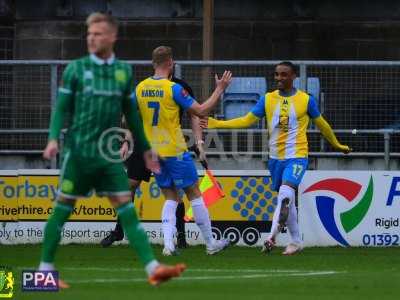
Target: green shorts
(80,176)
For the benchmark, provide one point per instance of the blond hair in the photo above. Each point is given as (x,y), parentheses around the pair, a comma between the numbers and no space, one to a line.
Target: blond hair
(98,17)
(161,55)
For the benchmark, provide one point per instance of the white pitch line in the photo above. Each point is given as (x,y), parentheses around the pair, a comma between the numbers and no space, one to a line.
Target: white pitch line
(188,270)
(194,278)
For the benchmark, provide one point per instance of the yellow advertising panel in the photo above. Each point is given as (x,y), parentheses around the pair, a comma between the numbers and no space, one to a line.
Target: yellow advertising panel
(35,196)
(8,198)
(30,197)
(247,198)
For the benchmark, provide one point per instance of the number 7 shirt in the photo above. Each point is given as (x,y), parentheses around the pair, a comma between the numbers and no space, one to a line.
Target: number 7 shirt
(159,101)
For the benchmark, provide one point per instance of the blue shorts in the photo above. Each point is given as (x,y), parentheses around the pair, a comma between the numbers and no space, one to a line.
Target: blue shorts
(287,170)
(179,172)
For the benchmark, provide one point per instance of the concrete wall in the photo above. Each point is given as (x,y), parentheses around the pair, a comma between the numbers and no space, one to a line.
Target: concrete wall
(245,39)
(243,29)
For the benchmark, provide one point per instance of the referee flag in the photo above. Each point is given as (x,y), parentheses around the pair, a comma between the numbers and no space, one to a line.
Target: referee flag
(210,190)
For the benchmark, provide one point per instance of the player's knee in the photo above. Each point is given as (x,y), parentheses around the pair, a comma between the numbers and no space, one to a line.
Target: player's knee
(192,192)
(170,193)
(287,191)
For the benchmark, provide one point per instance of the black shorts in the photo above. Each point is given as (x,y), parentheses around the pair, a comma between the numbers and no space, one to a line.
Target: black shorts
(136,167)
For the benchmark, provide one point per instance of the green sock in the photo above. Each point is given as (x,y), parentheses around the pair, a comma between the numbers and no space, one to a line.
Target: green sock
(135,233)
(52,232)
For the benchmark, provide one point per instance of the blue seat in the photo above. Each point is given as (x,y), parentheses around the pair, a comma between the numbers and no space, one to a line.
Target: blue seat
(313,86)
(257,85)
(241,95)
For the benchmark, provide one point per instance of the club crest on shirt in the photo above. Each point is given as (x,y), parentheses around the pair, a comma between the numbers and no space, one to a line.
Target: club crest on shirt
(67,186)
(120,76)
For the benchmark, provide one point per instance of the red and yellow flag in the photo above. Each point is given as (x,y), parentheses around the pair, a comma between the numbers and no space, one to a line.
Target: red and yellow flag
(211,192)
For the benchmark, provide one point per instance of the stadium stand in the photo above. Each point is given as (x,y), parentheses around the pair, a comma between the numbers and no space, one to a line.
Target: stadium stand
(241,96)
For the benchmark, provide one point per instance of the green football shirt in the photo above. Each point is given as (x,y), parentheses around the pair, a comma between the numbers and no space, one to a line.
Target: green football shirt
(94,93)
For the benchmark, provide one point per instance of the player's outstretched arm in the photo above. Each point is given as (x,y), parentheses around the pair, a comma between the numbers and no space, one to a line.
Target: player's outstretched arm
(63,104)
(202,110)
(256,113)
(56,123)
(328,133)
(242,122)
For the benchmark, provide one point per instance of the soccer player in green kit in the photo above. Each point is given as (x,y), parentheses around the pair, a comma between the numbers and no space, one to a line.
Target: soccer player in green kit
(94,92)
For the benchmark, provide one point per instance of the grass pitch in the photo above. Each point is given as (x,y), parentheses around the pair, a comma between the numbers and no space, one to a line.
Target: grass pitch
(237,273)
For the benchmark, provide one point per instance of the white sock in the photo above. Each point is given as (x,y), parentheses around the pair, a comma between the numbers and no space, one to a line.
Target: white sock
(151,267)
(285,191)
(293,224)
(168,218)
(44,266)
(202,219)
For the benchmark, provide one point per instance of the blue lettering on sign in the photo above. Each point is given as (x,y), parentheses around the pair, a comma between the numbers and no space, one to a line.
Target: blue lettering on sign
(394,192)
(28,190)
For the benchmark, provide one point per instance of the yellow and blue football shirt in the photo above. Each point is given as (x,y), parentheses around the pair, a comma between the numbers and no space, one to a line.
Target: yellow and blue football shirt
(159,101)
(287,120)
